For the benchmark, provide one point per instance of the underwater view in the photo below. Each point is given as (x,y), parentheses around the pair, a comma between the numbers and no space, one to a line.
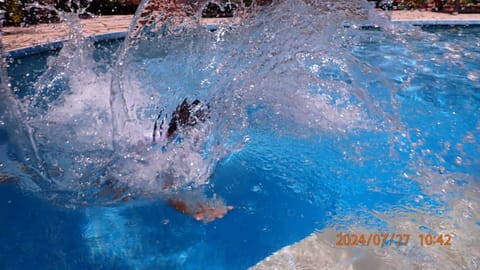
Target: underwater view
(299,134)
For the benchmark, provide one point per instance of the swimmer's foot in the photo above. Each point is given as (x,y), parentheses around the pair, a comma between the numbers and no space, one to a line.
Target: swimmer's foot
(5,177)
(201,210)
(208,214)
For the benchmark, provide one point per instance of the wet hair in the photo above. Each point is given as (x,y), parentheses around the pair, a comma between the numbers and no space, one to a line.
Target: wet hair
(186,114)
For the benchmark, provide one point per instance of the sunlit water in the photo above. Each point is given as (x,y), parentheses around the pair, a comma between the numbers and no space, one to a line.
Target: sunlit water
(322,115)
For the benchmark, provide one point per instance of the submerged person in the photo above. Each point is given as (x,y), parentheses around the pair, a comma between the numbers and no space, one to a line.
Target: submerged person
(190,202)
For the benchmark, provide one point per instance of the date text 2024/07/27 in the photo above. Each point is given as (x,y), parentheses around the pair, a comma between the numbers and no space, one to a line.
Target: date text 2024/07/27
(388,239)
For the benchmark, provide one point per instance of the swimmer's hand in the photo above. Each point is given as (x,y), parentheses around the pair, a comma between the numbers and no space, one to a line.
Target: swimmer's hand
(201,210)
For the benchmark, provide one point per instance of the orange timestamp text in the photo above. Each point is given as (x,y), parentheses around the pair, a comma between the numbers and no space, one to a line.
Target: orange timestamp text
(391,239)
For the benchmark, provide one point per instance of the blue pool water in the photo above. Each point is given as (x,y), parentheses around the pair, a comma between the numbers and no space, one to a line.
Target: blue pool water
(408,144)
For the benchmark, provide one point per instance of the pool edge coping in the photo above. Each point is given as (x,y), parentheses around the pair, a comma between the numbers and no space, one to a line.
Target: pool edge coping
(54,45)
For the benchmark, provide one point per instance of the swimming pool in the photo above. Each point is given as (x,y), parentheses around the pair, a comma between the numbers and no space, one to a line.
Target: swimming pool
(358,125)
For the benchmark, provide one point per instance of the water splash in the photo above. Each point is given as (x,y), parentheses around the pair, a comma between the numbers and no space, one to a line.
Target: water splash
(237,70)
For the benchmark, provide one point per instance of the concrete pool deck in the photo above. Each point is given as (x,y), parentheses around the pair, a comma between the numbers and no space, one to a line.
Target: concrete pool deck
(15,38)
(434,18)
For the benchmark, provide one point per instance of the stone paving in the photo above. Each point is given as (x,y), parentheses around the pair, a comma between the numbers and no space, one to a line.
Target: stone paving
(23,37)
